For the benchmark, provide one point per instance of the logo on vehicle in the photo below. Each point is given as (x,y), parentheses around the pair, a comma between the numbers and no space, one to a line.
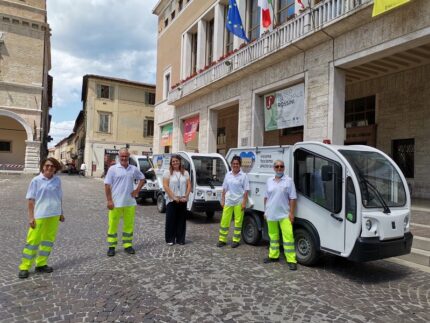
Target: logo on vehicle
(248,160)
(159,162)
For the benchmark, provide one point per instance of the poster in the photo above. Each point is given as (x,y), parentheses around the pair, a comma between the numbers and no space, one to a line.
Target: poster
(284,108)
(191,127)
(166,135)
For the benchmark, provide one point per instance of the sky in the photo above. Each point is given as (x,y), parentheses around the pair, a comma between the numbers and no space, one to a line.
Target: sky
(114,38)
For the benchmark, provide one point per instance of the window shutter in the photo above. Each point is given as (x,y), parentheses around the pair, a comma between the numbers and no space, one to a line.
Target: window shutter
(145,128)
(99,91)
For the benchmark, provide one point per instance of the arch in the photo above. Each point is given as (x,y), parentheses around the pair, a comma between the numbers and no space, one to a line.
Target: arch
(20,120)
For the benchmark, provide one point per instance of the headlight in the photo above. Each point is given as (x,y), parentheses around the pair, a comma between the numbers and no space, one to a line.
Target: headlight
(368,225)
(406,222)
(199,193)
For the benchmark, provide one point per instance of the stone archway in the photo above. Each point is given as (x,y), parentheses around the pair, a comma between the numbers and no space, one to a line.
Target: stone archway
(32,147)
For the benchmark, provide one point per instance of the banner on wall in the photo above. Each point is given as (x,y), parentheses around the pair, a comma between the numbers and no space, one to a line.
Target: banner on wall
(381,6)
(285,108)
(166,135)
(191,127)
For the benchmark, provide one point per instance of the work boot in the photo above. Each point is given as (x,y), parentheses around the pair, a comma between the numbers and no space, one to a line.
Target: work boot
(235,244)
(130,250)
(270,260)
(220,244)
(23,274)
(44,269)
(292,265)
(111,252)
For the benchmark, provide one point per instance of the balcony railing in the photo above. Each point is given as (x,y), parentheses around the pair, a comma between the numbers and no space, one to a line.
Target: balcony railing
(311,20)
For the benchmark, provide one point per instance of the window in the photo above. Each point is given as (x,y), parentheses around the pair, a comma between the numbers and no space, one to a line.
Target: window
(104,91)
(193,53)
(148,127)
(5,146)
(149,98)
(209,42)
(166,85)
(351,201)
(166,22)
(254,27)
(360,112)
(180,5)
(104,122)
(403,154)
(172,15)
(318,179)
(286,10)
(228,37)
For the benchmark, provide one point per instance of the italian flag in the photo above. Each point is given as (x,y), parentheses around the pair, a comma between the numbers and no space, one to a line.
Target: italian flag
(265,12)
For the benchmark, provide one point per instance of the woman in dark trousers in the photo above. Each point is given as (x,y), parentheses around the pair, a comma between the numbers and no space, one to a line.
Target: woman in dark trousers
(177,185)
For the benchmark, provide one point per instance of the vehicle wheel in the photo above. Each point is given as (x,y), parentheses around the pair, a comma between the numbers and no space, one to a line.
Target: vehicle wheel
(250,232)
(161,203)
(306,247)
(210,215)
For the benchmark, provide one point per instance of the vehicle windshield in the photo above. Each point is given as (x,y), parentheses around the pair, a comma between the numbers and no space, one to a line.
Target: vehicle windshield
(145,165)
(380,183)
(209,170)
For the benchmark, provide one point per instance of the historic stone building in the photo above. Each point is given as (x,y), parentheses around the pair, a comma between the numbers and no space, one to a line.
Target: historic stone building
(25,86)
(333,71)
(117,113)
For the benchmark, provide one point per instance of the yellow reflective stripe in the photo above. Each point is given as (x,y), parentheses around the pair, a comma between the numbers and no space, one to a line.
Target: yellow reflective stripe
(31,247)
(114,235)
(238,228)
(24,255)
(274,248)
(236,235)
(44,253)
(125,234)
(288,243)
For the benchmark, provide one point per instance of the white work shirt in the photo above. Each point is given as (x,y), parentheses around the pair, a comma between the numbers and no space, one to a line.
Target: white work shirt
(177,183)
(278,196)
(235,186)
(121,181)
(47,194)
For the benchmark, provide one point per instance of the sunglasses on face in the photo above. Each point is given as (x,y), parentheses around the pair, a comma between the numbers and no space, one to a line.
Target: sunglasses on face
(279,166)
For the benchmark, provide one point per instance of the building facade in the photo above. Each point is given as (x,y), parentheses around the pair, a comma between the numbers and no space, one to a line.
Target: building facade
(25,86)
(328,71)
(117,113)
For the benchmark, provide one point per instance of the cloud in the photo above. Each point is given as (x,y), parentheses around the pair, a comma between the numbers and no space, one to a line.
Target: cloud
(104,37)
(60,130)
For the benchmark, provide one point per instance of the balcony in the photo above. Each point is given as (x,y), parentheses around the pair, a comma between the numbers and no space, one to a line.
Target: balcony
(263,50)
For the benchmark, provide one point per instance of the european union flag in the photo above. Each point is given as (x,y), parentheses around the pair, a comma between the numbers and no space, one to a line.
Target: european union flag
(234,22)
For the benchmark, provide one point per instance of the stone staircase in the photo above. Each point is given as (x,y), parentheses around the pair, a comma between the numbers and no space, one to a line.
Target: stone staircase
(420,228)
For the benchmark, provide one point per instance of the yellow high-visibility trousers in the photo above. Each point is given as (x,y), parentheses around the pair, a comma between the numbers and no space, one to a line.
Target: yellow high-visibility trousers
(287,239)
(40,241)
(115,215)
(227,213)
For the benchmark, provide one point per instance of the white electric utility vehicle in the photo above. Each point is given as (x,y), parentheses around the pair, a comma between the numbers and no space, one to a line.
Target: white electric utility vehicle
(352,201)
(207,172)
(151,187)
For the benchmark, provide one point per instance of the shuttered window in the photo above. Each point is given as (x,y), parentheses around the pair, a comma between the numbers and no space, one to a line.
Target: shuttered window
(148,127)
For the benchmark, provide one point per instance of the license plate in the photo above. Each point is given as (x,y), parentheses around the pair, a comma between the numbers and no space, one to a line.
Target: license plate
(211,196)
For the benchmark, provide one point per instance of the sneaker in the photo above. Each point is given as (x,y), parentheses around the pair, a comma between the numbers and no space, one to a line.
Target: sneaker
(269,260)
(170,243)
(23,274)
(111,252)
(181,243)
(44,269)
(292,265)
(130,250)
(220,244)
(235,244)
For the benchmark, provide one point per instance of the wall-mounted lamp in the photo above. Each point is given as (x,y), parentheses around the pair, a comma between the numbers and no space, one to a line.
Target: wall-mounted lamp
(179,88)
(227,63)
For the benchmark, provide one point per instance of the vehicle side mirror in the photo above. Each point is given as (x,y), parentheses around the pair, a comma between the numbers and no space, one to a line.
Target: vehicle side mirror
(326,173)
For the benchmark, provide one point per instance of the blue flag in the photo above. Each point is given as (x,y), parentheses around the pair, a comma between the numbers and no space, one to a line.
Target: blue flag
(234,22)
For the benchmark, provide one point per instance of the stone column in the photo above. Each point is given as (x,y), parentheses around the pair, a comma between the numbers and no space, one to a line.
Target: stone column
(212,127)
(219,26)
(336,106)
(32,159)
(201,44)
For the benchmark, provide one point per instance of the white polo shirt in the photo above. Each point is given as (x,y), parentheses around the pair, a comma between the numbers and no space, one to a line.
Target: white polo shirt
(235,186)
(47,194)
(278,196)
(121,181)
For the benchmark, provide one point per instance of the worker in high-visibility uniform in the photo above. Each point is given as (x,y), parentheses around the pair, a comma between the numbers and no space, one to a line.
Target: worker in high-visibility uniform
(121,201)
(45,212)
(233,200)
(279,205)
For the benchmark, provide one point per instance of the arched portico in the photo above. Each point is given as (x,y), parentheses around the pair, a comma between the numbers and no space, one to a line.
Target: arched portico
(20,144)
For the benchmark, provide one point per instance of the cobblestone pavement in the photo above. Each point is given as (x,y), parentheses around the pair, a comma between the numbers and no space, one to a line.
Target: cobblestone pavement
(197,282)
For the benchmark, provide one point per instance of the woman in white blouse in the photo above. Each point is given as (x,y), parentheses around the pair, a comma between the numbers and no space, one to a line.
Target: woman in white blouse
(177,185)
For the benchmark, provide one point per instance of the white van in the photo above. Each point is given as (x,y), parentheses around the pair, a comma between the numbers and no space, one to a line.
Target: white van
(352,201)
(151,187)
(207,172)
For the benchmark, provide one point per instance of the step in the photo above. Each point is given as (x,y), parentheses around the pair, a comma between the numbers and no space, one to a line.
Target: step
(418,256)
(422,243)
